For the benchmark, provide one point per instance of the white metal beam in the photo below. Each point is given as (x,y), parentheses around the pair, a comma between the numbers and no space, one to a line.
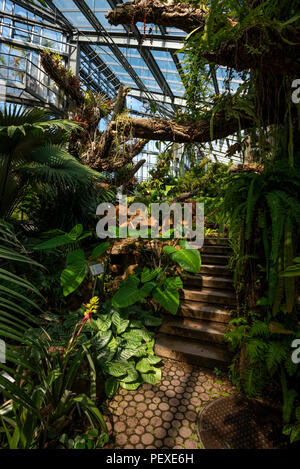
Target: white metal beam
(155,43)
(160,98)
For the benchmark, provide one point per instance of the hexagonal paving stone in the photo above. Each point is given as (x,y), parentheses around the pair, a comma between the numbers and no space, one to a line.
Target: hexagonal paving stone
(163,416)
(147,439)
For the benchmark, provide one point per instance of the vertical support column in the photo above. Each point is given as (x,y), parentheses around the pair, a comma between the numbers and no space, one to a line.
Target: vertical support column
(73,60)
(74,57)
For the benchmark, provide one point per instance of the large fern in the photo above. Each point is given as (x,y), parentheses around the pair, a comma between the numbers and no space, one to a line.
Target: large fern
(33,151)
(264,205)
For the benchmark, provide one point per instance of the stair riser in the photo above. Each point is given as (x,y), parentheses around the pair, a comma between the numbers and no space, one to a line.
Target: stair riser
(214,259)
(188,312)
(221,250)
(193,334)
(192,359)
(223,242)
(207,283)
(215,270)
(199,296)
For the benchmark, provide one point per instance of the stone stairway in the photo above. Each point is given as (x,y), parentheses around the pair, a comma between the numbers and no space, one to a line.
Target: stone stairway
(196,334)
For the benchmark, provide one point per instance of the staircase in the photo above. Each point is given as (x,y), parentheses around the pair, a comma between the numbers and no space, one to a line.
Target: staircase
(196,334)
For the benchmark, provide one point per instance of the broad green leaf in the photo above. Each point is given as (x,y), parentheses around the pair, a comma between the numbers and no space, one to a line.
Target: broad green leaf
(148,275)
(99,250)
(173,283)
(132,374)
(168,299)
(153,376)
(169,250)
(146,364)
(116,369)
(102,323)
(101,339)
(135,334)
(53,243)
(120,323)
(111,386)
(124,323)
(153,359)
(76,232)
(129,293)
(130,386)
(75,272)
(188,259)
(128,349)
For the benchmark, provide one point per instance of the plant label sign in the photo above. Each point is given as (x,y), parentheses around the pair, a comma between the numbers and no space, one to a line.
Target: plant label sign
(96,269)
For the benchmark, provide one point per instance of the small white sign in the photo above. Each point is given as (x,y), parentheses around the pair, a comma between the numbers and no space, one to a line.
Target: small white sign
(96,269)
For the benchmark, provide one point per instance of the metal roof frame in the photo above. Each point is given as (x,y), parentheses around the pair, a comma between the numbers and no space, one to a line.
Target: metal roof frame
(130,39)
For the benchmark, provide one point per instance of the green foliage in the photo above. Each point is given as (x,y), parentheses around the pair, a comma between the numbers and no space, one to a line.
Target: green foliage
(120,344)
(266,207)
(33,156)
(128,358)
(266,359)
(209,179)
(188,259)
(293,270)
(156,284)
(42,393)
(37,379)
(93,439)
(77,264)
(17,295)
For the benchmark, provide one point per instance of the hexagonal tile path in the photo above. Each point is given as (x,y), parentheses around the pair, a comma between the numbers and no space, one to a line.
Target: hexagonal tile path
(164,416)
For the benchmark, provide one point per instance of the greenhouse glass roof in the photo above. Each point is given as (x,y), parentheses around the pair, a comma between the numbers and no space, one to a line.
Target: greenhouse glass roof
(104,56)
(143,58)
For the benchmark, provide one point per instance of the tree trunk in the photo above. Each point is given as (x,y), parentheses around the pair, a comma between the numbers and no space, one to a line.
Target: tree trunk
(184,132)
(182,16)
(256,47)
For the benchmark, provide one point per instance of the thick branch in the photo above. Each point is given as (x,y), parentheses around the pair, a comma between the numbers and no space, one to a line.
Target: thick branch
(253,51)
(70,84)
(257,47)
(184,132)
(182,16)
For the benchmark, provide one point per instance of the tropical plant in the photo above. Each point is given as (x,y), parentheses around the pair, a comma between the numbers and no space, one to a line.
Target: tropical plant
(158,283)
(120,344)
(40,390)
(264,358)
(33,155)
(292,270)
(263,212)
(92,439)
(77,264)
(36,377)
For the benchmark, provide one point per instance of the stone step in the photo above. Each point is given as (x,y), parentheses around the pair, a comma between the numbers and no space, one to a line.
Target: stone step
(191,351)
(211,332)
(215,270)
(204,281)
(207,295)
(208,312)
(210,249)
(215,241)
(214,259)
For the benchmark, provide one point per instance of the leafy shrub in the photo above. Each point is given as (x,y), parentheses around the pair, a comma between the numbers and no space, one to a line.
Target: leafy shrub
(76,261)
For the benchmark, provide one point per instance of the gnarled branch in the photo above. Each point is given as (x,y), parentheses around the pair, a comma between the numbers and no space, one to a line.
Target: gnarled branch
(185,132)
(183,15)
(260,47)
